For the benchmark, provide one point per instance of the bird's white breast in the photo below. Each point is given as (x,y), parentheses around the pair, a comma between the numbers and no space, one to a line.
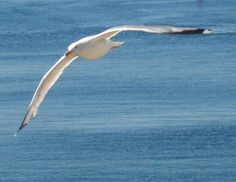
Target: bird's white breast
(93,50)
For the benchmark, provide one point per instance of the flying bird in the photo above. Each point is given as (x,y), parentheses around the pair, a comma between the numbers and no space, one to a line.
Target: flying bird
(92,48)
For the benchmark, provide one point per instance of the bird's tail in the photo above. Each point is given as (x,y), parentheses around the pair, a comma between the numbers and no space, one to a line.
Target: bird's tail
(116,44)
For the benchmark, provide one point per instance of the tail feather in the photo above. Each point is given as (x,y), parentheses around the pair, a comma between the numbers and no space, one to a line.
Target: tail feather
(116,44)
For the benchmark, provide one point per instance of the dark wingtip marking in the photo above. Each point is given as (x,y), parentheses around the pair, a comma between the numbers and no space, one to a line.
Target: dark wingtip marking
(21,127)
(23,124)
(193,31)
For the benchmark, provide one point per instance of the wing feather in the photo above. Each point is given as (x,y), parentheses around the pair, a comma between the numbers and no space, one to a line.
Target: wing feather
(54,73)
(111,32)
(45,84)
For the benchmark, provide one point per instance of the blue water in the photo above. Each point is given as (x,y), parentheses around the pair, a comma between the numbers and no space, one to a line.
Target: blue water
(160,108)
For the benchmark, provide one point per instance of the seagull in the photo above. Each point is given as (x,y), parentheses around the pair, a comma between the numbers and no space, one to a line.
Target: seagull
(92,48)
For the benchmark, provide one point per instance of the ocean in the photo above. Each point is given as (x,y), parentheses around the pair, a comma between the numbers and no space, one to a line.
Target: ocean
(159,108)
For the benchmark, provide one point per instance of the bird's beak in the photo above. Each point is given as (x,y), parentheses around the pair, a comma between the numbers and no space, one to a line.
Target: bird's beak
(67,53)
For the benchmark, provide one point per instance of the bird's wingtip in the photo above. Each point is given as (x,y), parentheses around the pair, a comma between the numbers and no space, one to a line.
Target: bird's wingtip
(193,31)
(207,31)
(198,31)
(21,127)
(17,132)
(25,120)
(23,124)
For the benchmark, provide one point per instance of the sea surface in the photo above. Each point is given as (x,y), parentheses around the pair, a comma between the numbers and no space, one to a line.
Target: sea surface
(159,108)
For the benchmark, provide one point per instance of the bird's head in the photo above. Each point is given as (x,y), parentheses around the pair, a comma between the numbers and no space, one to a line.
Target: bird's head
(72,48)
(68,52)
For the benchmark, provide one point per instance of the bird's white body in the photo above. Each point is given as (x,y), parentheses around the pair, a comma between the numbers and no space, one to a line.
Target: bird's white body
(91,48)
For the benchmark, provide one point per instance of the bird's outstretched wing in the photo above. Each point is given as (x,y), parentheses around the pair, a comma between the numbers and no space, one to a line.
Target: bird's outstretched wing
(111,32)
(54,73)
(45,84)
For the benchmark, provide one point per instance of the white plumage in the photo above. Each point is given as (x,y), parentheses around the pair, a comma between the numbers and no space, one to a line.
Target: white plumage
(92,48)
